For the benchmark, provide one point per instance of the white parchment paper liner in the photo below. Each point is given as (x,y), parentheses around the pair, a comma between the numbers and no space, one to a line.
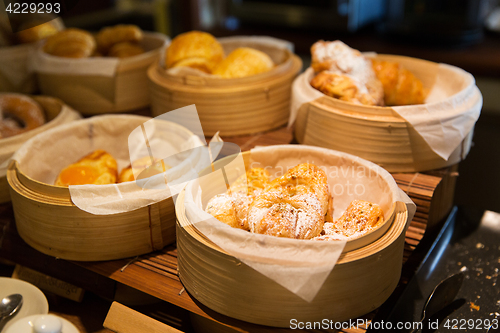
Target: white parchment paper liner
(448,115)
(102,66)
(263,43)
(43,157)
(9,145)
(301,266)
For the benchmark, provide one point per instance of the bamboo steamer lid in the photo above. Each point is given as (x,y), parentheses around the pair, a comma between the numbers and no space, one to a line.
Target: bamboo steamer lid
(48,219)
(237,106)
(362,279)
(56,113)
(380,134)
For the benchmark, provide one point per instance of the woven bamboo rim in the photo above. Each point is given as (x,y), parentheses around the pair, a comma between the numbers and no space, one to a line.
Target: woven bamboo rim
(56,114)
(367,274)
(237,106)
(377,134)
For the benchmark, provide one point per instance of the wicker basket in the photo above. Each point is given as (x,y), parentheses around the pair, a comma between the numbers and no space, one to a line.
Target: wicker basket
(56,114)
(362,279)
(239,106)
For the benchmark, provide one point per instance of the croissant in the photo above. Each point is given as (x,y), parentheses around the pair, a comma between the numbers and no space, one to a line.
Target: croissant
(293,205)
(401,87)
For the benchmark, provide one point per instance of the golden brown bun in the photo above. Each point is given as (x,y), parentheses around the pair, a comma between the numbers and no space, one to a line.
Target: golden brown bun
(201,46)
(125,50)
(293,205)
(96,168)
(347,89)
(138,167)
(70,43)
(255,179)
(109,36)
(35,31)
(401,87)
(17,108)
(360,217)
(242,62)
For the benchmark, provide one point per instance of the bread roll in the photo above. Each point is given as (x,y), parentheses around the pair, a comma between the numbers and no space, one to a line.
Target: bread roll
(242,62)
(70,43)
(34,31)
(109,36)
(194,49)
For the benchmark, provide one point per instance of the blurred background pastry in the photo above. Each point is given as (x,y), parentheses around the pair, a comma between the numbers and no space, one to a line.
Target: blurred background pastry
(19,114)
(110,36)
(125,50)
(35,31)
(194,49)
(242,62)
(71,43)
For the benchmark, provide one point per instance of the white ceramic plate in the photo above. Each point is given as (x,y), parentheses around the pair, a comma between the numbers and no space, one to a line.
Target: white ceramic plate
(34,301)
(26,324)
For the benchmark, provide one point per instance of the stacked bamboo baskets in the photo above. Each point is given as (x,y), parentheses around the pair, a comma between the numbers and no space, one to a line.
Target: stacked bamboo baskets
(362,279)
(125,90)
(48,220)
(378,134)
(232,106)
(56,114)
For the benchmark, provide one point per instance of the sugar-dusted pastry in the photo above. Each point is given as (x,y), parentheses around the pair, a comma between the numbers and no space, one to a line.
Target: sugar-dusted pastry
(97,168)
(109,36)
(242,62)
(70,43)
(293,205)
(401,87)
(345,88)
(232,206)
(125,50)
(35,30)
(19,114)
(337,64)
(194,49)
(359,217)
(138,168)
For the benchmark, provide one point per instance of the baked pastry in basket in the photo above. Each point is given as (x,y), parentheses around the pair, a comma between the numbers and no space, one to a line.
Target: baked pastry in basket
(344,73)
(244,61)
(19,114)
(71,43)
(401,87)
(107,37)
(194,49)
(232,206)
(138,168)
(96,168)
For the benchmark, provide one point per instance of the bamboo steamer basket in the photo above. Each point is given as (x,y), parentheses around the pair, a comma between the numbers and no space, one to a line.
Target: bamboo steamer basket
(49,221)
(237,106)
(56,114)
(377,134)
(363,278)
(126,90)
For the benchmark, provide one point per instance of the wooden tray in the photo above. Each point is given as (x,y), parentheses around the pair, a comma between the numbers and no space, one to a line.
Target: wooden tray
(159,269)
